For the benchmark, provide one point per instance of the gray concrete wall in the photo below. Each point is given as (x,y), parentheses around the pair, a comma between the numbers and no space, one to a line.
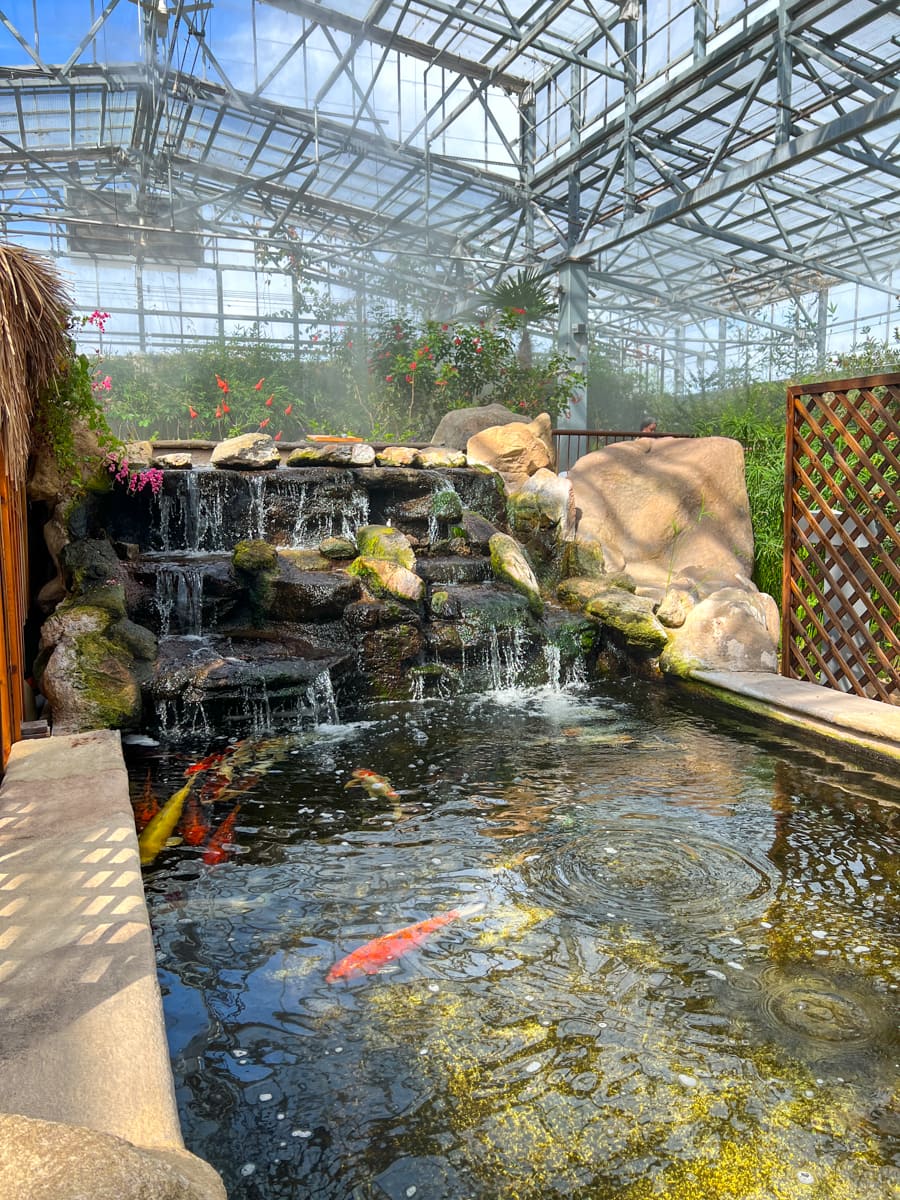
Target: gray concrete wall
(83,1037)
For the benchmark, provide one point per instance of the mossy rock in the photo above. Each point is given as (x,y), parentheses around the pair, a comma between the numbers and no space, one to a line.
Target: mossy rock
(337,548)
(139,641)
(510,564)
(253,556)
(446,505)
(387,578)
(386,543)
(90,684)
(442,604)
(632,617)
(582,558)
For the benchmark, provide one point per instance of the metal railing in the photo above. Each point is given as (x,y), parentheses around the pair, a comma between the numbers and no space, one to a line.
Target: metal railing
(572,444)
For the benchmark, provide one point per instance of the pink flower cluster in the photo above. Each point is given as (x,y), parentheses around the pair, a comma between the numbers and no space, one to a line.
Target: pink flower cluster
(98,319)
(135,481)
(101,385)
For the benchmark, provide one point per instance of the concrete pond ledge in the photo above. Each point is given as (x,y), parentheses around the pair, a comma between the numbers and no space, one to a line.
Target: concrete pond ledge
(86,1089)
(866,728)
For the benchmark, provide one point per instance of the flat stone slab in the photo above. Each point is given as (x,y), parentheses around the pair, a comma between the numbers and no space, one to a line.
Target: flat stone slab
(84,1040)
(869,726)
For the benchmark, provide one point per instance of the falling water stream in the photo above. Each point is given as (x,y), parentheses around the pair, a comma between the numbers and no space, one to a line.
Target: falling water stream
(682,981)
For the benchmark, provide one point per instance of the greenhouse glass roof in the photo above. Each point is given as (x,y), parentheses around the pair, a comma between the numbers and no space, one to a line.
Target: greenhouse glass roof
(706,160)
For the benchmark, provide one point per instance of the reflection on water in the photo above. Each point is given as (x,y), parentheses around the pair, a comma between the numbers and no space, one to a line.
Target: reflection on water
(683,981)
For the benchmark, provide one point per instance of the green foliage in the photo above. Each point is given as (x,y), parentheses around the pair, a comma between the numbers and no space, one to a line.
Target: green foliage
(70,400)
(395,386)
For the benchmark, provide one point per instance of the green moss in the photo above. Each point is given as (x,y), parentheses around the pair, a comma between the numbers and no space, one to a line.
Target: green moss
(446,505)
(253,556)
(106,681)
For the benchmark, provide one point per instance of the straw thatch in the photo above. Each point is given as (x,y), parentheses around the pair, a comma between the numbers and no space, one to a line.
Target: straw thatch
(34,309)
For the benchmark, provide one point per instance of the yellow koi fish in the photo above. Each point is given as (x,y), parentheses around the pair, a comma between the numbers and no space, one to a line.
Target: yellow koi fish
(373,784)
(161,828)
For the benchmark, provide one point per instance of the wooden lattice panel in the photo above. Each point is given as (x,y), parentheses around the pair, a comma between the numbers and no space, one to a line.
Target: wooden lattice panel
(841,600)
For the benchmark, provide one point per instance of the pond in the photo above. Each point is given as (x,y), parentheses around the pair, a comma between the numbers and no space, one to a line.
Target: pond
(675,972)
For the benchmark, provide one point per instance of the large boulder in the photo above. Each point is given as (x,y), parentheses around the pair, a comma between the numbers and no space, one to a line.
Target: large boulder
(249,452)
(86,672)
(509,565)
(663,507)
(456,427)
(515,451)
(734,629)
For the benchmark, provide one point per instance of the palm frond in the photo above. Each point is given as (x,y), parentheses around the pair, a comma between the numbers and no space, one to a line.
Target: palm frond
(526,293)
(34,309)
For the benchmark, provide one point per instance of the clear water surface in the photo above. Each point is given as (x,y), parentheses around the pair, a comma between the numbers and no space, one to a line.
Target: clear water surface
(682,982)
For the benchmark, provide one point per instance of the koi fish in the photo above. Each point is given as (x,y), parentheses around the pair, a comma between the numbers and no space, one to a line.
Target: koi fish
(194,826)
(369,781)
(216,849)
(211,760)
(374,955)
(161,828)
(146,808)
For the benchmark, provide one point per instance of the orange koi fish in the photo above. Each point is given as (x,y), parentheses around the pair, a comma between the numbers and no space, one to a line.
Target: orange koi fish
(194,826)
(375,785)
(374,955)
(217,850)
(146,808)
(211,760)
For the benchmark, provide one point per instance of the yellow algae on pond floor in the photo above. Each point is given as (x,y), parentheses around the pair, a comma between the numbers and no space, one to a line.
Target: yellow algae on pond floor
(508,921)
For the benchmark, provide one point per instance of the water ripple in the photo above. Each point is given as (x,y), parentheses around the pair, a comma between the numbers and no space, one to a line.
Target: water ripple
(658,876)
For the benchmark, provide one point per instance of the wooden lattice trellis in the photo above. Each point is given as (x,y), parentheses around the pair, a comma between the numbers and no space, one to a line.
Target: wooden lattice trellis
(841,599)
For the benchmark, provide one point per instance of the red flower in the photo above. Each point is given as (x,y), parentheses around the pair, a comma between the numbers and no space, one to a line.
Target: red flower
(349,345)
(222,383)
(264,423)
(278,436)
(218,414)
(257,386)
(225,407)
(192,412)
(315,337)
(457,341)
(289,410)
(269,401)
(444,328)
(440,383)
(409,379)
(389,379)
(478,349)
(412,366)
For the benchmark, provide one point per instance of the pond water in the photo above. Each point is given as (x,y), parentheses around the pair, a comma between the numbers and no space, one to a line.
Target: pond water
(682,980)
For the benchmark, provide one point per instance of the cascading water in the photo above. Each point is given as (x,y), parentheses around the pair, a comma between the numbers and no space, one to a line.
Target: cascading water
(179,600)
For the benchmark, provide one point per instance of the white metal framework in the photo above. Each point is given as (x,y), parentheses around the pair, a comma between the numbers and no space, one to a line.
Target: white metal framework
(683,167)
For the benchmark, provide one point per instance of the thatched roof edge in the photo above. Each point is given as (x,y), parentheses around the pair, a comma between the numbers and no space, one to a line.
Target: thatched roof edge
(34,311)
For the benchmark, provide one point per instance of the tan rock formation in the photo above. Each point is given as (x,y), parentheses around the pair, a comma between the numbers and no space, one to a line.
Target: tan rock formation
(515,451)
(734,629)
(663,507)
(249,452)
